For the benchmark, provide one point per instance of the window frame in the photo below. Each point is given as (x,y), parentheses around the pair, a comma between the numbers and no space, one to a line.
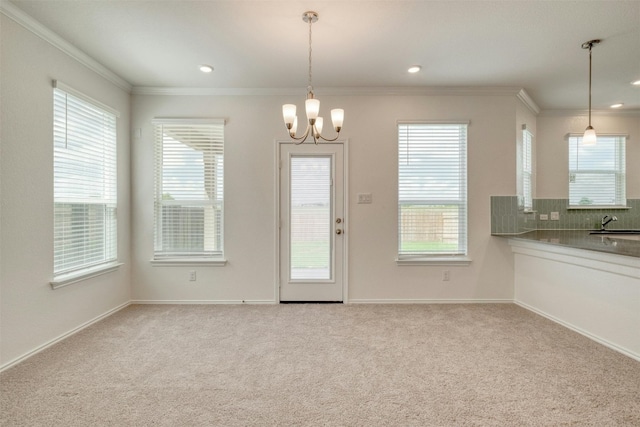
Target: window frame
(192,257)
(76,115)
(527,169)
(460,255)
(619,190)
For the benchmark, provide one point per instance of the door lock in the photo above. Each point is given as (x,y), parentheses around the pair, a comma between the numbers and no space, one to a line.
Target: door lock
(339,220)
(338,231)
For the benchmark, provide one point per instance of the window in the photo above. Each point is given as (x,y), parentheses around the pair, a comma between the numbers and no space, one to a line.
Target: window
(189,189)
(597,172)
(84,183)
(432,189)
(527,170)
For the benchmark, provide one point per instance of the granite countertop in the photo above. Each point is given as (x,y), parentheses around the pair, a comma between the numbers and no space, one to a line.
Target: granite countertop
(580,239)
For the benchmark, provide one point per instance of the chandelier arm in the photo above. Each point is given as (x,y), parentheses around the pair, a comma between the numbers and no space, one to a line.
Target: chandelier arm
(328,139)
(302,138)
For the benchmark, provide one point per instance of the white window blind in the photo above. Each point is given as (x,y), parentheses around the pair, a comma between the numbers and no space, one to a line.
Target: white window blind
(84,183)
(527,169)
(432,188)
(597,172)
(189,188)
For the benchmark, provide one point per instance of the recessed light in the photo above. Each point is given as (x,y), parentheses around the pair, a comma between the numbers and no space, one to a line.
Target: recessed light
(206,68)
(618,105)
(414,68)
(636,83)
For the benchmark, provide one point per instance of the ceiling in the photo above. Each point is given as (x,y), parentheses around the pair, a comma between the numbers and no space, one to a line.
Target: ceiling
(530,44)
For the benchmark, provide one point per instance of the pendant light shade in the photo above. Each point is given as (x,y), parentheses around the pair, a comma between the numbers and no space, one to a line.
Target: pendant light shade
(589,137)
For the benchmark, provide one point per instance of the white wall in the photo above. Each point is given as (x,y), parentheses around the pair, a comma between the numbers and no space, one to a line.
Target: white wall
(552,152)
(254,123)
(32,314)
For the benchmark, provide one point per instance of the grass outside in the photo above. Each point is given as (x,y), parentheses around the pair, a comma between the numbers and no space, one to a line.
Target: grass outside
(427,247)
(310,254)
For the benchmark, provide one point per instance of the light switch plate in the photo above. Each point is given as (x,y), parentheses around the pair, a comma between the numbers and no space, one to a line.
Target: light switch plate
(544,217)
(365,198)
(555,216)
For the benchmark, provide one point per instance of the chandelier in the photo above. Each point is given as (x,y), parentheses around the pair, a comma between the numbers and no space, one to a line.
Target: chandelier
(589,137)
(312,105)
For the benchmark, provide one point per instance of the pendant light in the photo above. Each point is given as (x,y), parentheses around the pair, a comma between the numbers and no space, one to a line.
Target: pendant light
(589,137)
(312,105)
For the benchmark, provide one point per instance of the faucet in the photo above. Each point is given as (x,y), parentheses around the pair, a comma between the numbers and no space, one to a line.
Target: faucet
(606,220)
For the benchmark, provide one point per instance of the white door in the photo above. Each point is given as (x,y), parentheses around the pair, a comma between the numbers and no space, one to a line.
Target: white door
(312,223)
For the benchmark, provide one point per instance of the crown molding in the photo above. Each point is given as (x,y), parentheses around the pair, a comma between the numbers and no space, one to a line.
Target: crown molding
(524,97)
(585,113)
(18,15)
(333,91)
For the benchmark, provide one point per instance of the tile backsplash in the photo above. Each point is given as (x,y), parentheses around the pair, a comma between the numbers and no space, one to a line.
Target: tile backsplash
(509,217)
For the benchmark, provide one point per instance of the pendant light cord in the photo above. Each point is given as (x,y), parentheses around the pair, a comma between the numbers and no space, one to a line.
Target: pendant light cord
(310,87)
(590,47)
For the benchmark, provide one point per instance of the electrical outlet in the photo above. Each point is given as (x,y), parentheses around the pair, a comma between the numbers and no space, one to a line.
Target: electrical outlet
(365,198)
(192,276)
(445,276)
(555,216)
(544,217)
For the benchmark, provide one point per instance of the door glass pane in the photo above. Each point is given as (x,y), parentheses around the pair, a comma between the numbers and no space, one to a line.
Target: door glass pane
(310,203)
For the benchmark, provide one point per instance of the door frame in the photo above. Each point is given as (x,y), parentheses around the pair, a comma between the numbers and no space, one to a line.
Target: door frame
(345,195)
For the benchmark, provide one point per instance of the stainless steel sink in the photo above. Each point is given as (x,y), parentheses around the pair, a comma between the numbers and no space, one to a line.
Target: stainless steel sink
(614,231)
(618,234)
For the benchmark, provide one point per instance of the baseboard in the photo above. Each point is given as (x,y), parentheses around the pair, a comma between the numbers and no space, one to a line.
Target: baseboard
(186,302)
(62,337)
(581,331)
(429,301)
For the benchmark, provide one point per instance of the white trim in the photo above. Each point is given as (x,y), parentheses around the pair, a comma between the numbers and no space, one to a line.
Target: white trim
(189,262)
(71,91)
(201,302)
(433,122)
(330,91)
(62,337)
(524,97)
(603,135)
(429,301)
(435,260)
(573,113)
(84,274)
(345,194)
(581,331)
(188,121)
(18,15)
(611,263)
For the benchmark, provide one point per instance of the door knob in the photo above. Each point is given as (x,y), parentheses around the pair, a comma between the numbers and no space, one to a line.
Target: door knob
(338,231)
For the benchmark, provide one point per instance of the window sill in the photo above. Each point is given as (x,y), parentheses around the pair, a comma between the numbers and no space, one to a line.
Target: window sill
(189,262)
(77,276)
(598,207)
(433,260)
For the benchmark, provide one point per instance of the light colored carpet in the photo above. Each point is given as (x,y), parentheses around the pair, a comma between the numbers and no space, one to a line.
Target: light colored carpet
(324,365)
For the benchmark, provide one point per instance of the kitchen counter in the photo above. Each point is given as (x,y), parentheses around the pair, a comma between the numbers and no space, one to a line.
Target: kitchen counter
(580,239)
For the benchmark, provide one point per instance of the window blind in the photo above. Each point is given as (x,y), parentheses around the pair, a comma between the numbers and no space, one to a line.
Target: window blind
(527,170)
(189,191)
(432,188)
(597,172)
(84,184)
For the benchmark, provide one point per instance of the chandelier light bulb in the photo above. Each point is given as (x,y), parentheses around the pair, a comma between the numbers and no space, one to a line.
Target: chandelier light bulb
(289,114)
(313,108)
(318,126)
(337,118)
